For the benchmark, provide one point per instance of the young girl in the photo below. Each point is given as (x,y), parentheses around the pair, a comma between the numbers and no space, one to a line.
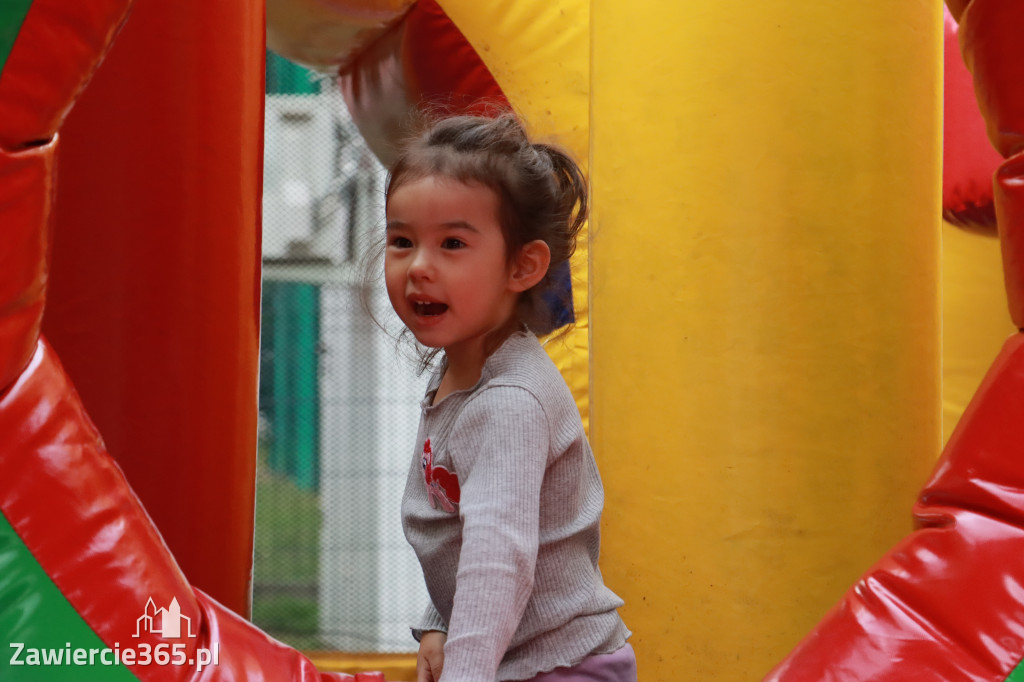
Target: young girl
(503,500)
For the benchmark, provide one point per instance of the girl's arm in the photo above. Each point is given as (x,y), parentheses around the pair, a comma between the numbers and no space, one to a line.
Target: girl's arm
(500,448)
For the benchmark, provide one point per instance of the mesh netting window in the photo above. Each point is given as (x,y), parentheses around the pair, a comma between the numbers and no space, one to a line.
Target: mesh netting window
(338,402)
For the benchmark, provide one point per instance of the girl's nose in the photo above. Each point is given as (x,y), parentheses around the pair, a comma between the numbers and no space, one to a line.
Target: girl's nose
(421,266)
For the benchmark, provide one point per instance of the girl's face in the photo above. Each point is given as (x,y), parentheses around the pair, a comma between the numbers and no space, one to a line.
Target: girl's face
(445,264)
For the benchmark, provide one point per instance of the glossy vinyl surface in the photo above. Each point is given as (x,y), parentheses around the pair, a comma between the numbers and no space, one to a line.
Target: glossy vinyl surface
(1009,193)
(57,49)
(153,302)
(26,187)
(944,603)
(81,557)
(73,510)
(990,40)
(968,159)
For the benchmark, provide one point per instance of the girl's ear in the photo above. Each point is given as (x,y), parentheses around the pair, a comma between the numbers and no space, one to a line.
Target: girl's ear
(530,266)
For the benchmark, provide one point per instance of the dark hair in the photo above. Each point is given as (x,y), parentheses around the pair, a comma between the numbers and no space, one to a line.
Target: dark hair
(542,193)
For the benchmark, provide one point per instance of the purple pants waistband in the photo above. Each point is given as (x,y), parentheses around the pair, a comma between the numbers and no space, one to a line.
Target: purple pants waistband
(618,666)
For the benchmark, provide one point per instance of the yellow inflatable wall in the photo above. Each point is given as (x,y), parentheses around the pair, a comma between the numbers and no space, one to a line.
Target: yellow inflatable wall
(765,311)
(974,319)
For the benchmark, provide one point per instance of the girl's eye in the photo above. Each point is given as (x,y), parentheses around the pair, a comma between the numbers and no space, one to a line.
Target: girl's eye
(452,243)
(400,242)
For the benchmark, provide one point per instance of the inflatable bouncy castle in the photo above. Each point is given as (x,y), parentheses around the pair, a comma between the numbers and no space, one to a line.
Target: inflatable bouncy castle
(763,311)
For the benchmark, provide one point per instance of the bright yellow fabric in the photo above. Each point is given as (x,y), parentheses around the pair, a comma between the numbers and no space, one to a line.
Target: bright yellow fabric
(975,317)
(764,311)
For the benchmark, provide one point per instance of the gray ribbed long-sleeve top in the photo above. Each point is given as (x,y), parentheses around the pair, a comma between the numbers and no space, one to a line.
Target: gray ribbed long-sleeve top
(509,552)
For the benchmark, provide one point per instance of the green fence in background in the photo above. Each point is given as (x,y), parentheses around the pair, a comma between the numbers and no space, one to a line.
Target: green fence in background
(338,406)
(287,78)
(289,395)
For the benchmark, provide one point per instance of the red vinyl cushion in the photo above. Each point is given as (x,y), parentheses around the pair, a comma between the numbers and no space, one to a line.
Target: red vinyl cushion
(58,48)
(944,603)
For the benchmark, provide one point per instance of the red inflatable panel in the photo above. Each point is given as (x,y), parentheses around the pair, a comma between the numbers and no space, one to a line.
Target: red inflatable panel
(73,509)
(424,60)
(441,65)
(945,603)
(153,302)
(968,159)
(1010,215)
(992,41)
(26,188)
(58,48)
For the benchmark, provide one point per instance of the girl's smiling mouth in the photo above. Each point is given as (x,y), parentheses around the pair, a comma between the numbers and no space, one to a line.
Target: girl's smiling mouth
(429,308)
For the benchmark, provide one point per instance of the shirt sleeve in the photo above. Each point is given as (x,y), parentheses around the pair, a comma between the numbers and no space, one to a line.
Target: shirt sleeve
(500,447)
(431,620)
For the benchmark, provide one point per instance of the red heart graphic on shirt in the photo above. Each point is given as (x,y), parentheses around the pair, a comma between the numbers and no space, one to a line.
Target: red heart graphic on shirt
(448,481)
(442,485)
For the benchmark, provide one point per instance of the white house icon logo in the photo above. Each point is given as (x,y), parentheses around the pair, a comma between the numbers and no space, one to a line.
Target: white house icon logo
(164,622)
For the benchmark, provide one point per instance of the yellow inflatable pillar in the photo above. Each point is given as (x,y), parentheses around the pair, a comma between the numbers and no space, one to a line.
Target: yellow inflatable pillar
(764,311)
(975,321)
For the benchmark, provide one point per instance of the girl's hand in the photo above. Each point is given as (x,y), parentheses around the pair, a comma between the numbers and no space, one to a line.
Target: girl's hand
(430,659)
